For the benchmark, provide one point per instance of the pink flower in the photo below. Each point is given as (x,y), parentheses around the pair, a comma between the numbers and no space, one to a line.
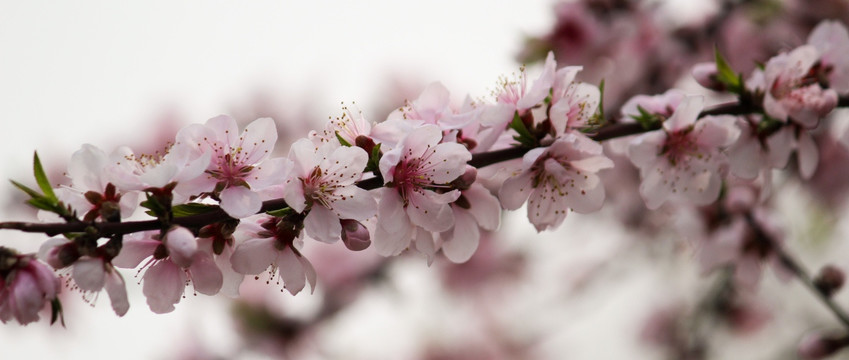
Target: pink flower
(26,285)
(475,208)
(515,96)
(573,103)
(409,205)
(91,273)
(351,125)
(663,105)
(790,90)
(92,192)
(433,106)
(174,261)
(273,242)
(239,165)
(138,172)
(558,178)
(682,161)
(831,39)
(323,182)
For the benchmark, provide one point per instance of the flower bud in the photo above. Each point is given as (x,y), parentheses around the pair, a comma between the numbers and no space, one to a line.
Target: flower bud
(465,181)
(705,75)
(63,255)
(829,280)
(365,142)
(818,346)
(354,235)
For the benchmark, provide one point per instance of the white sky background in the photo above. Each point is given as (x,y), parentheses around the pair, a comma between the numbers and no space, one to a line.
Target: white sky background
(102,71)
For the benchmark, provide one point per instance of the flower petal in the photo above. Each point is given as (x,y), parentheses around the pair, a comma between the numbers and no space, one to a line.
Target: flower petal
(240,202)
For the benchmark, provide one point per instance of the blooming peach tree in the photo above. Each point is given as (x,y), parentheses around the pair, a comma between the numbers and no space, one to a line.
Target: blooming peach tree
(429,179)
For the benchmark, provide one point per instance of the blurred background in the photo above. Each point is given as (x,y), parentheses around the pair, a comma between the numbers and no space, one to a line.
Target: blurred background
(619,284)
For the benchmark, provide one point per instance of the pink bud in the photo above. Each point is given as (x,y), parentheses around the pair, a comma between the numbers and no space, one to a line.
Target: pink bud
(829,280)
(818,346)
(705,75)
(355,235)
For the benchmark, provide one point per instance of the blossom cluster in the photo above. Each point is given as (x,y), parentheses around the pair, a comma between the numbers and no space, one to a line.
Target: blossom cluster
(415,182)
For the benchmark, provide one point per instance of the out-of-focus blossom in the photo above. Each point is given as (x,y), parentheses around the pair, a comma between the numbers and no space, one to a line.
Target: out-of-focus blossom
(682,161)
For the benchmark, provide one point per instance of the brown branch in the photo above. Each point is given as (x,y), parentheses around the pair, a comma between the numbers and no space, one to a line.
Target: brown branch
(798,271)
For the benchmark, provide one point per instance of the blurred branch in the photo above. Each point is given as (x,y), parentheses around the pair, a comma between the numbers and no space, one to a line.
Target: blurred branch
(798,271)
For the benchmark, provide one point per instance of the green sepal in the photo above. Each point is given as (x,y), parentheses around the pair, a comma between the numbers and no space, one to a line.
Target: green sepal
(192,209)
(525,137)
(56,312)
(646,119)
(281,212)
(341,140)
(373,163)
(155,208)
(724,74)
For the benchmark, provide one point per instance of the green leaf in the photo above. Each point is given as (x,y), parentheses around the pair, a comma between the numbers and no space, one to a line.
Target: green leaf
(724,74)
(42,203)
(32,193)
(192,209)
(41,178)
(342,141)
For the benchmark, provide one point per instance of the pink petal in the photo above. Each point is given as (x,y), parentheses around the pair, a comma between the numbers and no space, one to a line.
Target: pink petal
(240,202)
(808,155)
(461,242)
(182,246)
(449,162)
(205,275)
(254,256)
(322,224)
(117,292)
(686,113)
(164,283)
(258,140)
(133,251)
(357,204)
(515,191)
(291,271)
(270,172)
(89,274)
(484,207)
(225,129)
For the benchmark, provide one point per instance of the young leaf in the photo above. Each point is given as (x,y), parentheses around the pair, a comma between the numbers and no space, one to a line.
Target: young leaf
(726,75)
(41,178)
(32,193)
